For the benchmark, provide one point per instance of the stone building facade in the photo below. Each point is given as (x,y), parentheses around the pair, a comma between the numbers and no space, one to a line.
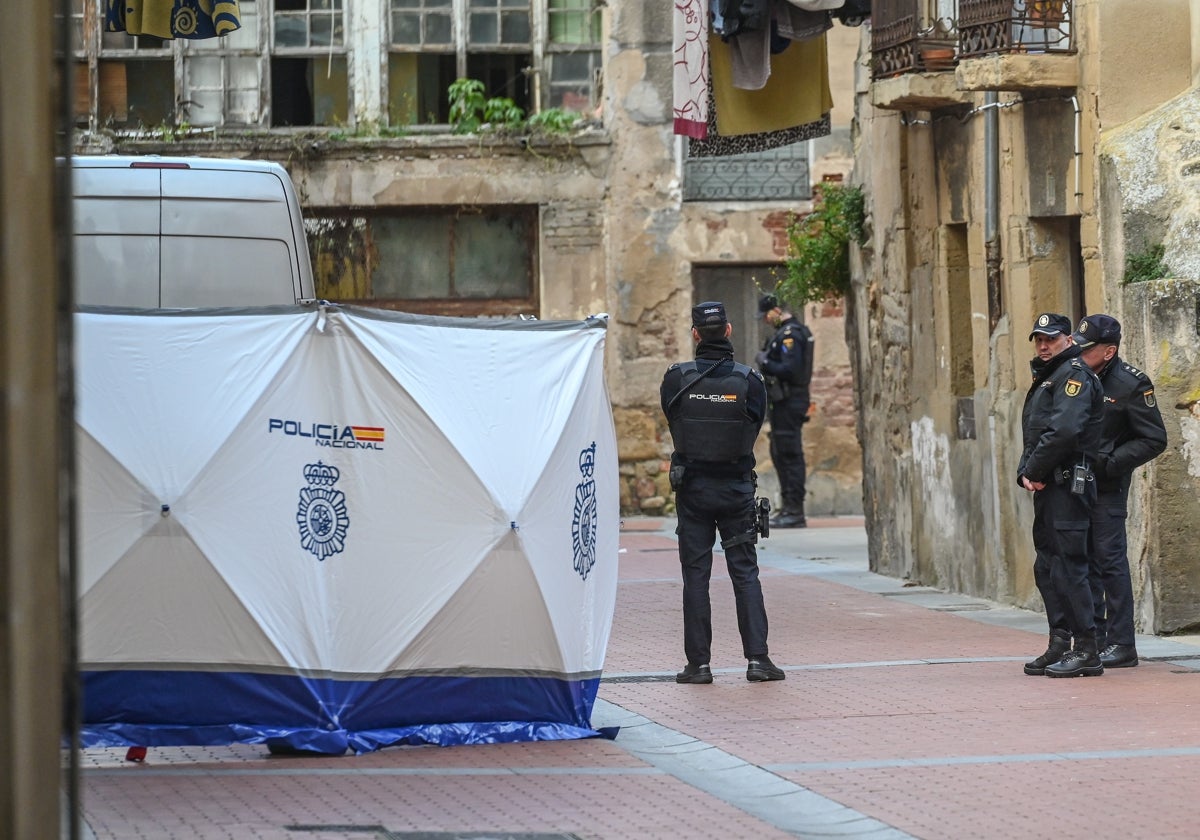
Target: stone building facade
(1017,178)
(351,98)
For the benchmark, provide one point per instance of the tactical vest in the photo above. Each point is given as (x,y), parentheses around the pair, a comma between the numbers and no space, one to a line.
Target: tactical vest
(709,421)
(806,370)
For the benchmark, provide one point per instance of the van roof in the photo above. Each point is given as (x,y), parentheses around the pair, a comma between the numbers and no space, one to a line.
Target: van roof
(159,161)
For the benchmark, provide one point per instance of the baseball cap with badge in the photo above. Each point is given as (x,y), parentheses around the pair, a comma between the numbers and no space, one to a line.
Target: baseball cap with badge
(1097,329)
(1051,323)
(711,313)
(766,303)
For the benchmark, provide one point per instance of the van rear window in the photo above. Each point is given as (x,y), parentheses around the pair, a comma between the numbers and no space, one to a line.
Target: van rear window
(226,271)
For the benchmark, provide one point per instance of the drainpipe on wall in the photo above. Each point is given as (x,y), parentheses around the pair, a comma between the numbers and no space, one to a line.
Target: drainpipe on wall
(1078,156)
(991,218)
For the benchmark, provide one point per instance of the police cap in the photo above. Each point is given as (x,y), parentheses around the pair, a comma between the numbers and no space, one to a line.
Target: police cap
(1051,323)
(766,303)
(711,313)
(1097,329)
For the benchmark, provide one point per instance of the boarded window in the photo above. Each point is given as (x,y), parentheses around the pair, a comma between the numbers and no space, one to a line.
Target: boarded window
(461,261)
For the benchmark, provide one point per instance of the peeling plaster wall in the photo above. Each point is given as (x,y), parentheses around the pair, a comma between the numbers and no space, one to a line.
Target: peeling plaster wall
(654,242)
(945,509)
(567,184)
(1152,198)
(1150,172)
(1162,327)
(615,234)
(1156,40)
(648,298)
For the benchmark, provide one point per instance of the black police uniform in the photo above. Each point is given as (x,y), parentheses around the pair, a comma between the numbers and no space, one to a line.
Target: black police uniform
(1132,433)
(1060,426)
(787,364)
(714,423)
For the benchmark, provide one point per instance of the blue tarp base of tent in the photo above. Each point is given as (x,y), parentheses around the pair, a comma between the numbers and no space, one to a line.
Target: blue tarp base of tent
(292,713)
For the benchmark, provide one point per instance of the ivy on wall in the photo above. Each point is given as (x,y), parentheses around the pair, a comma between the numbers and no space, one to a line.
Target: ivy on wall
(817,266)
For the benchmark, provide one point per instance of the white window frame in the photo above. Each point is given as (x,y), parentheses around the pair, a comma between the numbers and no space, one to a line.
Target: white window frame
(539,48)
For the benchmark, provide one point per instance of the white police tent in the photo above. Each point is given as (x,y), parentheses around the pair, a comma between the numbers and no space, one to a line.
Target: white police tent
(330,528)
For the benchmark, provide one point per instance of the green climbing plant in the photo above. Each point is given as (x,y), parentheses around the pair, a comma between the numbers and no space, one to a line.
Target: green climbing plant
(466,105)
(471,112)
(1144,265)
(553,121)
(817,265)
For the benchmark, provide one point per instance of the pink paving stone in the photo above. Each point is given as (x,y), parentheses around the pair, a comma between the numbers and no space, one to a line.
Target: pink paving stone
(1057,800)
(591,806)
(805,729)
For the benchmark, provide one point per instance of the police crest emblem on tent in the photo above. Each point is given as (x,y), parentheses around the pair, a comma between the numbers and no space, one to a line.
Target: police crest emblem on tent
(583,526)
(322,513)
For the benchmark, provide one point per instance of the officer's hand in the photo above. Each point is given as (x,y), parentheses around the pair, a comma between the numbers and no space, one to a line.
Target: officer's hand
(761,358)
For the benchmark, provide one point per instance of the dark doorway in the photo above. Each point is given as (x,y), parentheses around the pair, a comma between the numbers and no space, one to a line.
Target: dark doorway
(739,287)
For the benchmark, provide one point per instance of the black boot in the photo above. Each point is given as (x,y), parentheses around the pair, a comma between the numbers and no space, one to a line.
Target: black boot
(1119,656)
(695,674)
(790,516)
(1060,643)
(1083,661)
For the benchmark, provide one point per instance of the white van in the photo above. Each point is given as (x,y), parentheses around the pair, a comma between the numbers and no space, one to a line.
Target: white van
(160,232)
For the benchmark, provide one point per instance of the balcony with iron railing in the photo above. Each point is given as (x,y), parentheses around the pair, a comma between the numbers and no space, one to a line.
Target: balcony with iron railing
(994,44)
(990,27)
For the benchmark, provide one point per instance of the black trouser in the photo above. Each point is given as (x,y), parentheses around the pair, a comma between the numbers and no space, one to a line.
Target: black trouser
(1112,590)
(1060,539)
(707,505)
(787,451)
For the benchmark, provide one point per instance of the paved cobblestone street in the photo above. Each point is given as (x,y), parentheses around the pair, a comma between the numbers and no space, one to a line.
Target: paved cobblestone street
(905,713)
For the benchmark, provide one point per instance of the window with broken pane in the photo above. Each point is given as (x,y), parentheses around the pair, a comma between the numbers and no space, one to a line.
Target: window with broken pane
(310,84)
(449,260)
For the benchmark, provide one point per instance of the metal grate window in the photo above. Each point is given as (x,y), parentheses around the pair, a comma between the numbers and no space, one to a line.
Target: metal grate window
(775,175)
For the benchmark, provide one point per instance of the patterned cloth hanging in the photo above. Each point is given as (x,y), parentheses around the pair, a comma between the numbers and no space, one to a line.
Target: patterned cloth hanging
(690,42)
(193,19)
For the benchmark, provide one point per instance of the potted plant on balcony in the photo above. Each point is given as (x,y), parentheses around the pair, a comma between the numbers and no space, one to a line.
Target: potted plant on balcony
(1048,13)
(935,58)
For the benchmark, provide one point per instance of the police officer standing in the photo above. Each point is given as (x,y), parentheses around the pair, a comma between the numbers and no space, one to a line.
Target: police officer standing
(1060,426)
(787,364)
(1131,434)
(714,408)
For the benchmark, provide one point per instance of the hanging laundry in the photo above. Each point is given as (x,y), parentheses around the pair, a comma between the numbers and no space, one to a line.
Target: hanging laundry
(716,146)
(738,16)
(796,93)
(690,91)
(817,5)
(752,51)
(792,100)
(192,19)
(799,25)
